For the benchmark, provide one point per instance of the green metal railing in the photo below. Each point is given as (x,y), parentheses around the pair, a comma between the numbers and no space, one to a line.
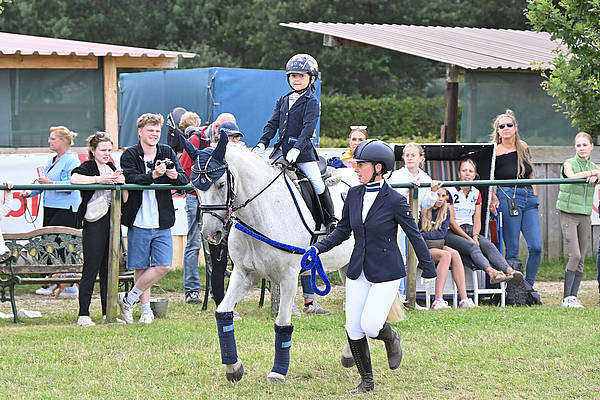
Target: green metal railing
(411,258)
(116,215)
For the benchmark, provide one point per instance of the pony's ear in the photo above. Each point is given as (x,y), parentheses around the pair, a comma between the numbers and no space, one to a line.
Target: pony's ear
(189,148)
(219,153)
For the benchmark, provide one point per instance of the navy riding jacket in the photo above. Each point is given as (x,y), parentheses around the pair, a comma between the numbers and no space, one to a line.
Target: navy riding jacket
(296,126)
(376,249)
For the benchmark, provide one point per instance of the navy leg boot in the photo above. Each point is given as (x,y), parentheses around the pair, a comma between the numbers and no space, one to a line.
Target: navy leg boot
(283,343)
(227,344)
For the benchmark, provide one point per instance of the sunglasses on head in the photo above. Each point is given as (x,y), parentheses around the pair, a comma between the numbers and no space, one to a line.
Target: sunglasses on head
(509,125)
(101,135)
(361,127)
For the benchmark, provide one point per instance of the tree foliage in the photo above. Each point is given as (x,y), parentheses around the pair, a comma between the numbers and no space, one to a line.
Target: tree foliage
(575,77)
(246,33)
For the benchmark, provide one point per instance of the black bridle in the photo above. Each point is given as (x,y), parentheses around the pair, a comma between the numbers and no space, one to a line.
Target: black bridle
(228,206)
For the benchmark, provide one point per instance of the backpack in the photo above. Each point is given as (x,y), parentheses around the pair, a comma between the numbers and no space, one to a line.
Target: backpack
(522,293)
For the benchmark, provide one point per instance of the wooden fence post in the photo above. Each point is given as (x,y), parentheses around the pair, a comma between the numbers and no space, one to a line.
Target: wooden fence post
(411,258)
(114,255)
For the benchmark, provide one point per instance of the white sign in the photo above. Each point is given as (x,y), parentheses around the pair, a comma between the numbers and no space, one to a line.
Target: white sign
(27,214)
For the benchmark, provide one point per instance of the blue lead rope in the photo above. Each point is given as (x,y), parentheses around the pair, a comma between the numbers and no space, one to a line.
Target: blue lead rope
(314,265)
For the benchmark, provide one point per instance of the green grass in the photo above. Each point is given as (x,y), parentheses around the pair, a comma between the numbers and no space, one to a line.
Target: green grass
(486,353)
(551,271)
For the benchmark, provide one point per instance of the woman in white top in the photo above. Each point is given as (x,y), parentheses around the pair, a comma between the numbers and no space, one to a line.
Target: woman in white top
(414,158)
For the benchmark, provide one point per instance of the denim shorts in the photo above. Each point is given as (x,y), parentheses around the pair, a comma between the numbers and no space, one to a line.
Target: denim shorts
(149,248)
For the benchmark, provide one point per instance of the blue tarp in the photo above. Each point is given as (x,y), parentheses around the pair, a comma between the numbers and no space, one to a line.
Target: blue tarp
(250,94)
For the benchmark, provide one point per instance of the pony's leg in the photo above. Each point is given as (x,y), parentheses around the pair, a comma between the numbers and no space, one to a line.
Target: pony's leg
(239,284)
(283,330)
(238,287)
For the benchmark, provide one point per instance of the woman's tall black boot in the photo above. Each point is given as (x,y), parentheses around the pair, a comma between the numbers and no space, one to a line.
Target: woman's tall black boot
(393,348)
(362,358)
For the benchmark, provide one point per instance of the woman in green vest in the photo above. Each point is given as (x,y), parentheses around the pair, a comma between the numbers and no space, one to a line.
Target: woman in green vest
(575,206)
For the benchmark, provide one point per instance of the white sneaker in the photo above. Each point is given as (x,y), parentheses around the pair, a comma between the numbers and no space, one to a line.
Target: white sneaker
(45,291)
(85,321)
(236,316)
(439,304)
(571,302)
(147,317)
(126,309)
(575,303)
(315,308)
(466,303)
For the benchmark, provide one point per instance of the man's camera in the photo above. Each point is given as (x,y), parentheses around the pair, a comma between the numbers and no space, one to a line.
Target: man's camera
(168,163)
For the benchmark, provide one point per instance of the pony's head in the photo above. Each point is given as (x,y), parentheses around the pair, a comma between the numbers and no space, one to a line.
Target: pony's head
(212,181)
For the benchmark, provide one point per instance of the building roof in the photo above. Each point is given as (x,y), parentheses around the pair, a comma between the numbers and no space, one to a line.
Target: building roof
(11,43)
(469,48)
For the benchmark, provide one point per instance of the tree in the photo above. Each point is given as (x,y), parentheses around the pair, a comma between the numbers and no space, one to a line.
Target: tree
(575,78)
(247,34)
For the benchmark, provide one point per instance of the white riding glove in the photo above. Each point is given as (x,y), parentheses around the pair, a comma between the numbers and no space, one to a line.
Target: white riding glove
(292,155)
(259,149)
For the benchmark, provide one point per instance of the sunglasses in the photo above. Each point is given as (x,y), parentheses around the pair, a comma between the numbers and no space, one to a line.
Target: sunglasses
(509,125)
(361,127)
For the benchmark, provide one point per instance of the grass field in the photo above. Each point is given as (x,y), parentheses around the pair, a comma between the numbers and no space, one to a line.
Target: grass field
(486,353)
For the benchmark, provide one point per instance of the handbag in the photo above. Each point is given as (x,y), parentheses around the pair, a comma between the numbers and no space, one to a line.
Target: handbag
(435,243)
(96,209)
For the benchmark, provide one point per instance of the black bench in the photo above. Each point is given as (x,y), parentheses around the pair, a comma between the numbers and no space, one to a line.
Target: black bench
(38,255)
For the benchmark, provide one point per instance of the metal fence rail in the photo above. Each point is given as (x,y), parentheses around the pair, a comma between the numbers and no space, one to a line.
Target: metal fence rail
(116,220)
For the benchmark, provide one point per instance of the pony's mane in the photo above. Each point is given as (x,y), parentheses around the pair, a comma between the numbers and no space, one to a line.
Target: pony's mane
(240,154)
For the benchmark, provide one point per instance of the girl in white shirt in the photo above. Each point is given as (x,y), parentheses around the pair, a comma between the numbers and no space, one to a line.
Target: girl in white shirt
(414,158)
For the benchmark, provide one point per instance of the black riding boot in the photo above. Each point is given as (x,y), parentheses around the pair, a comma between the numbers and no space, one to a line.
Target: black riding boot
(393,348)
(328,210)
(362,358)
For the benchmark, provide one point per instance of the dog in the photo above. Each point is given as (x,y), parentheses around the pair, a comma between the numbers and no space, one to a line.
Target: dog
(58,289)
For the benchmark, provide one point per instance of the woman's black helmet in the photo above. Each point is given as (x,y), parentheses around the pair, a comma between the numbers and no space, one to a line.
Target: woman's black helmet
(375,151)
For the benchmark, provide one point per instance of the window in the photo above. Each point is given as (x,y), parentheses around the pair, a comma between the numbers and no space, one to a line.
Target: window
(33,100)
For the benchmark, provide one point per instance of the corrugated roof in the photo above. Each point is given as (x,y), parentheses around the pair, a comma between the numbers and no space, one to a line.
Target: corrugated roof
(11,43)
(469,48)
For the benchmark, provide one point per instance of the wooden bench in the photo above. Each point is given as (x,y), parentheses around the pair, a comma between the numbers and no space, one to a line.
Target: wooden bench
(39,254)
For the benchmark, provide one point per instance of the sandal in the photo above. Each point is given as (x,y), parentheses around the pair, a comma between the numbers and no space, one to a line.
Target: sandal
(515,277)
(498,277)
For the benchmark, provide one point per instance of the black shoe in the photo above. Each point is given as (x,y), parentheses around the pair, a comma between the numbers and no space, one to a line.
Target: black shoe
(193,297)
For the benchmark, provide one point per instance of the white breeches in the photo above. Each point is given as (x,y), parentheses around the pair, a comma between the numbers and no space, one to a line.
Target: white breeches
(312,172)
(368,305)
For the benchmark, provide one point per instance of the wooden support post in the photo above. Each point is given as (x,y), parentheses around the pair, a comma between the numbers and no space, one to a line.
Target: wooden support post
(114,254)
(111,112)
(454,75)
(411,258)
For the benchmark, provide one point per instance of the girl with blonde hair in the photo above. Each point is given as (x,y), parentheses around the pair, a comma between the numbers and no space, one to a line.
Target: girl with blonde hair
(434,226)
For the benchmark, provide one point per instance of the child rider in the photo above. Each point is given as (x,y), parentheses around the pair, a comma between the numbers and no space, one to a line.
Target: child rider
(295,116)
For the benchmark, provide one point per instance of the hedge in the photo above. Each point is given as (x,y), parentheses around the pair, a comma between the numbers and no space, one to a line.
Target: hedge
(388,118)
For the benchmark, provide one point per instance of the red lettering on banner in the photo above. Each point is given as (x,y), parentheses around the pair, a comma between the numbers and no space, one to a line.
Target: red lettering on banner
(23,205)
